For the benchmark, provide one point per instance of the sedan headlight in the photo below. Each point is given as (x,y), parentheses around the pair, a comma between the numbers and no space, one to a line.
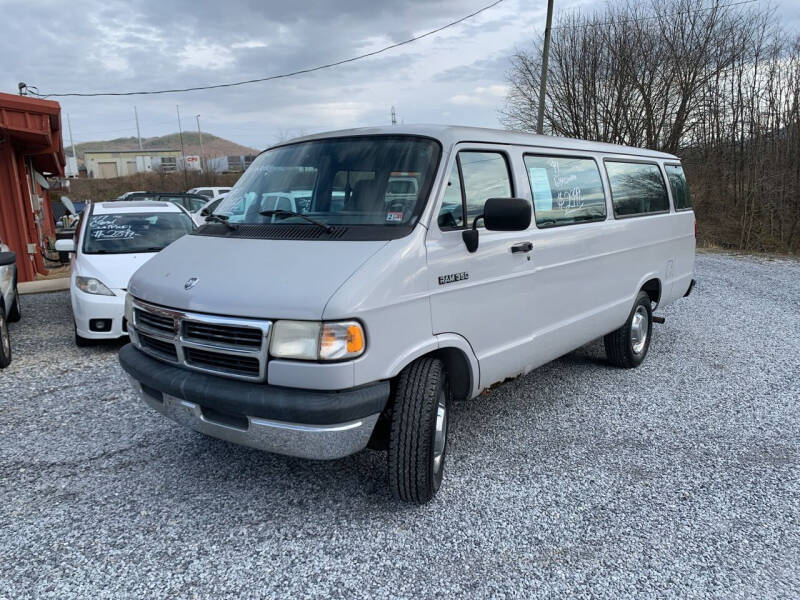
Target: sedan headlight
(90,285)
(312,340)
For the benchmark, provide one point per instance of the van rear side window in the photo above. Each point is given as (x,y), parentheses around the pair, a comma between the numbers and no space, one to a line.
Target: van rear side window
(636,188)
(679,187)
(565,190)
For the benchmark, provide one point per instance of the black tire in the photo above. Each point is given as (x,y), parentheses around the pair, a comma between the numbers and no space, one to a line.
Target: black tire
(416,454)
(5,340)
(15,314)
(82,342)
(621,345)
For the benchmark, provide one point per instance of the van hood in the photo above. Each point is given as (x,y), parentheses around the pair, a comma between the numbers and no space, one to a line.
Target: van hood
(263,279)
(114,270)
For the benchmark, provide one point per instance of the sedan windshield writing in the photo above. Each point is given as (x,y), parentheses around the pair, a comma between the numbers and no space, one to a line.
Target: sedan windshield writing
(134,232)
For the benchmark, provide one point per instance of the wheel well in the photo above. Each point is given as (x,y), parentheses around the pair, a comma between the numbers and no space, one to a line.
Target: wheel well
(458,371)
(653,289)
(460,375)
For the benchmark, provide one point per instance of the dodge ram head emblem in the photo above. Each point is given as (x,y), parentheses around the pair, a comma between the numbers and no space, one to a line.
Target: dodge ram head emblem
(190,283)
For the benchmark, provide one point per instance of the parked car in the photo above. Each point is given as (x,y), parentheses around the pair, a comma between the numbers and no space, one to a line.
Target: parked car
(359,320)
(209,192)
(199,217)
(111,242)
(140,193)
(191,202)
(9,301)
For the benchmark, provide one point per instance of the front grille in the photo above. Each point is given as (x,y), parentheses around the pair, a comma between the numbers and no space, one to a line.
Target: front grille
(221,334)
(225,346)
(154,321)
(161,347)
(242,365)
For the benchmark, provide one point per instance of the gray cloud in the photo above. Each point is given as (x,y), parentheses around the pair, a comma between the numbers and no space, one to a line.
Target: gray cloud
(88,45)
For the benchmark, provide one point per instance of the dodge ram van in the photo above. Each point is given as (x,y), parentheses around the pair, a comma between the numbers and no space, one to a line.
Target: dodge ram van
(356,318)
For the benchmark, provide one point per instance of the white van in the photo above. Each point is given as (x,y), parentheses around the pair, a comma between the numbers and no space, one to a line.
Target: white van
(357,319)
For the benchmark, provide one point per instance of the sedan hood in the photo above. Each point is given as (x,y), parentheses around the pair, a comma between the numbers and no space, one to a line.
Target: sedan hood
(255,278)
(114,270)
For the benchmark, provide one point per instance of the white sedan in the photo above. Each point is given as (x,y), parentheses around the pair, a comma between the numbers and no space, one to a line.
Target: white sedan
(112,240)
(9,301)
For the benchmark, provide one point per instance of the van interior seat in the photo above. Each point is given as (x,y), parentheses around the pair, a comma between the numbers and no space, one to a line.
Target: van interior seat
(365,197)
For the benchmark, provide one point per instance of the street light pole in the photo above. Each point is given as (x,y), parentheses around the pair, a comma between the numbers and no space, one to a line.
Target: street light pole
(183,155)
(202,151)
(545,56)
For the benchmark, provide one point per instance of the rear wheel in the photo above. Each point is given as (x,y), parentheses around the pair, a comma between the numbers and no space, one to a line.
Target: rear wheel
(15,314)
(5,340)
(627,346)
(418,439)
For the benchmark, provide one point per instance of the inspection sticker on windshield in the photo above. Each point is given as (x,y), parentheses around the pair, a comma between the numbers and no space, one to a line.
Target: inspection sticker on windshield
(394,217)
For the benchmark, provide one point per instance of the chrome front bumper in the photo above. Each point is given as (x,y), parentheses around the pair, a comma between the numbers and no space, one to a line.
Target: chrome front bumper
(322,442)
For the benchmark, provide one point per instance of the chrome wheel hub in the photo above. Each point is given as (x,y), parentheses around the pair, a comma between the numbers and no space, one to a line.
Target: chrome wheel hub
(640,328)
(440,435)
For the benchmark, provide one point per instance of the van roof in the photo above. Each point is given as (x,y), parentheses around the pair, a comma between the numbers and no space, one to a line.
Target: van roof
(452,134)
(134,206)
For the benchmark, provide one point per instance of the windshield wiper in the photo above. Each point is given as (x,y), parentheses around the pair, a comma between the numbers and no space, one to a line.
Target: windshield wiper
(282,214)
(220,219)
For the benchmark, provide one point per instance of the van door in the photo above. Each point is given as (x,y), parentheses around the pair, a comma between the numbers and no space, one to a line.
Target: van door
(577,289)
(483,296)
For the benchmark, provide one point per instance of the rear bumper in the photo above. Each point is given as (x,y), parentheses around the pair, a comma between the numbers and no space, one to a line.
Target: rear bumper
(305,423)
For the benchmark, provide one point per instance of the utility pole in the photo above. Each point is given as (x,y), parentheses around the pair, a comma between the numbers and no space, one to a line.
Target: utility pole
(202,151)
(138,133)
(183,155)
(394,117)
(72,144)
(545,56)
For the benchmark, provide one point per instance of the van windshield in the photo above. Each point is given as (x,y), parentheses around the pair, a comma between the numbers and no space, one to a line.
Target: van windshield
(367,182)
(126,233)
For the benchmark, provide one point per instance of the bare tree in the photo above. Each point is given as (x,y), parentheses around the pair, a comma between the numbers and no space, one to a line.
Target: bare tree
(718,84)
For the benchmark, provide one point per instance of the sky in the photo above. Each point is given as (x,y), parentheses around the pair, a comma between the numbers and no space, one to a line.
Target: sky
(457,76)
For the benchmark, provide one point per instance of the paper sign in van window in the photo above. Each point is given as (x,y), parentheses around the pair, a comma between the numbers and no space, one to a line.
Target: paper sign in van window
(540,183)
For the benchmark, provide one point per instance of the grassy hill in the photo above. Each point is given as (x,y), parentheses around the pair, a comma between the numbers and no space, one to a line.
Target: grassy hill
(212,144)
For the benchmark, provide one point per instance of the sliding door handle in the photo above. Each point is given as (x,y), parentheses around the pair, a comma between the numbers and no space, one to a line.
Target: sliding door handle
(522,247)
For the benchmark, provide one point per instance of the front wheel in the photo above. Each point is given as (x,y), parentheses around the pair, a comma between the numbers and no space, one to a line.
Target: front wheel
(82,342)
(5,340)
(627,346)
(418,439)
(15,314)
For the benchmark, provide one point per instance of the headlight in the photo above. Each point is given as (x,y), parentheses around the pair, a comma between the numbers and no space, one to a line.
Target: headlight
(90,285)
(312,340)
(129,307)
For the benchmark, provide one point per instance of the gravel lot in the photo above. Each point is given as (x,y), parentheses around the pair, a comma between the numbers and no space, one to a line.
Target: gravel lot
(677,479)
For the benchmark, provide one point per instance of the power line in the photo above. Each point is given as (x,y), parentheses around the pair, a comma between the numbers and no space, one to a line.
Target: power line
(273,77)
(682,12)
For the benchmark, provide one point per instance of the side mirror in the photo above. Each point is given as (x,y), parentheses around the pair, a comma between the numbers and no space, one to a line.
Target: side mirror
(499,214)
(204,212)
(7,258)
(507,214)
(65,245)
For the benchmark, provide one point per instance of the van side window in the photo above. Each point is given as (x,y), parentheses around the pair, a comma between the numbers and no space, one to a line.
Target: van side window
(679,187)
(484,175)
(565,190)
(636,188)
(451,215)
